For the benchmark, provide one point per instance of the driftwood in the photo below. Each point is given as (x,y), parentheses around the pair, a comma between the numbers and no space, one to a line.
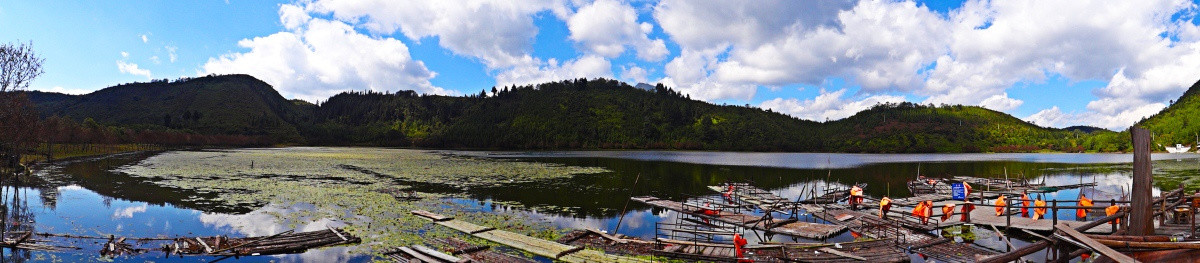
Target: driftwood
(281,243)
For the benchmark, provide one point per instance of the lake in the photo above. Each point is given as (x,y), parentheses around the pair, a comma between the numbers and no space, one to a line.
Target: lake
(256,192)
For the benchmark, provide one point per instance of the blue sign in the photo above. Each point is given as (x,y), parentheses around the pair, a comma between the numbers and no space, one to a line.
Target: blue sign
(960,192)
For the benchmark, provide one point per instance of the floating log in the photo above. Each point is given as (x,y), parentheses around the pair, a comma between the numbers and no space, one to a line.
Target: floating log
(282,243)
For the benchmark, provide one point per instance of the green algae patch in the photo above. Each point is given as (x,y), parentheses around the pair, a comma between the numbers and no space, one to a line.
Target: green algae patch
(370,190)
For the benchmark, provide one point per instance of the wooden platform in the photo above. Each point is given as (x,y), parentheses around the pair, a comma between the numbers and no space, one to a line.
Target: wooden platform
(796,229)
(907,235)
(987,216)
(546,248)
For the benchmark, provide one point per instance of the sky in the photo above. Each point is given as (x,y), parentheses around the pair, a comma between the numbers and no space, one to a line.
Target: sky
(1054,63)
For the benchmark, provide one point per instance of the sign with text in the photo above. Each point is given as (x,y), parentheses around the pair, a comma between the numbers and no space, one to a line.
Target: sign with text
(960,191)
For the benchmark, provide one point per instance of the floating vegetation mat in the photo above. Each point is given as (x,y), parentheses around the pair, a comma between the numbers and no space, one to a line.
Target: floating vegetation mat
(370,189)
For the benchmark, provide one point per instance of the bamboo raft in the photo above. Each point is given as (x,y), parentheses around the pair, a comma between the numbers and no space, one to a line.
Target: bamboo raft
(546,248)
(784,227)
(419,253)
(283,243)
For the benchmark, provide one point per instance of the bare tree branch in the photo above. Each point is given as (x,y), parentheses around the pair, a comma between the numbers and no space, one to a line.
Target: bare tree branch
(19,65)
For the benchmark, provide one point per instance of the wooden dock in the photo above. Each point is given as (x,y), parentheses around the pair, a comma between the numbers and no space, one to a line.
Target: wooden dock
(546,248)
(906,234)
(778,226)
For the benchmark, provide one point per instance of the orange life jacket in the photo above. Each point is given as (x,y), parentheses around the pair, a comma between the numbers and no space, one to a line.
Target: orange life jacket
(947,210)
(1000,204)
(1024,205)
(884,205)
(919,211)
(739,244)
(1083,202)
(1039,212)
(1108,211)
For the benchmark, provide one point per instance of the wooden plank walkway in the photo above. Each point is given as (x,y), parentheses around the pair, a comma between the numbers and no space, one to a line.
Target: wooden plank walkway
(987,216)
(796,229)
(908,235)
(546,248)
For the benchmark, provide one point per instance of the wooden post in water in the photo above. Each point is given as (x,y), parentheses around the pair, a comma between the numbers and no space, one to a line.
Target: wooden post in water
(1140,223)
(1054,211)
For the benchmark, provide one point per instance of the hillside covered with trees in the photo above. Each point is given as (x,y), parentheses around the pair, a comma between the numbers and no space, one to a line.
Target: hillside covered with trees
(570,114)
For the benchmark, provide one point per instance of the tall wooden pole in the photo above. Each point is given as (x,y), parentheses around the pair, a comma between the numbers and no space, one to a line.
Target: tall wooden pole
(1140,223)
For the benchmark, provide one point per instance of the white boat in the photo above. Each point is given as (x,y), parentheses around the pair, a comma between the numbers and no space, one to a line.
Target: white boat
(1178,148)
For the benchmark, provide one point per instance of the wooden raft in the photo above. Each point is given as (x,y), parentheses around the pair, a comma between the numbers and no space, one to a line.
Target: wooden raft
(537,246)
(778,226)
(282,243)
(906,235)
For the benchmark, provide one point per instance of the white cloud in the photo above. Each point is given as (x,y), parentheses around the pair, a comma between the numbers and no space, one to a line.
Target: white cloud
(882,45)
(634,74)
(154,59)
(827,105)
(588,66)
(171,52)
(1052,117)
(145,39)
(498,32)
(998,44)
(132,69)
(318,58)
(124,54)
(1001,102)
(605,27)
(63,90)
(128,211)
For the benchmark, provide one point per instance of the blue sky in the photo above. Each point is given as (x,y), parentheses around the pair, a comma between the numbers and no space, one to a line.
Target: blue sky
(1105,63)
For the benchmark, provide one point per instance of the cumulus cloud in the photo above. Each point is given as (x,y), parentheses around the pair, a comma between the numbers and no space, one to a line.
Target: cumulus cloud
(132,69)
(498,32)
(589,66)
(634,74)
(145,39)
(605,27)
(827,105)
(318,58)
(996,44)
(882,45)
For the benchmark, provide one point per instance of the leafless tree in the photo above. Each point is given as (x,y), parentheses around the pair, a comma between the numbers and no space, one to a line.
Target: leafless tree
(19,65)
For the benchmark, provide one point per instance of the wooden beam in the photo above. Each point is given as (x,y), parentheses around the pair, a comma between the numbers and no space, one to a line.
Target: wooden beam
(1094,245)
(1140,223)
(434,253)
(842,254)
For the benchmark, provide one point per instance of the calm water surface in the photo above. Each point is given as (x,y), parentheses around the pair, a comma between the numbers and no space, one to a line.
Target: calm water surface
(88,198)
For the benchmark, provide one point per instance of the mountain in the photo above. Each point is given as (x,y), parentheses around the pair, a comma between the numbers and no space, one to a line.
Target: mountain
(1086,129)
(909,127)
(1179,122)
(230,104)
(570,114)
(573,114)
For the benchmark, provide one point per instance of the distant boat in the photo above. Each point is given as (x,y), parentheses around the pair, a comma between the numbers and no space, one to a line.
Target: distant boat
(1178,148)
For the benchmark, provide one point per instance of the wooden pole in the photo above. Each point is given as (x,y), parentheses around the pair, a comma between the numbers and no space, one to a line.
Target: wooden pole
(1139,217)
(623,210)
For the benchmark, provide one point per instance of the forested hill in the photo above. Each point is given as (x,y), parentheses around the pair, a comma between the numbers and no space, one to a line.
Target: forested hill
(229,104)
(572,114)
(578,114)
(1179,122)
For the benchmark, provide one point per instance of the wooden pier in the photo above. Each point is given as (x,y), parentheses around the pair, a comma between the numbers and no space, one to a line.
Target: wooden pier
(546,248)
(778,226)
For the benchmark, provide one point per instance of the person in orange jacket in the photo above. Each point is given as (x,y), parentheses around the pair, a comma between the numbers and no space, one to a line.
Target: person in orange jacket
(1085,204)
(947,211)
(1000,205)
(1041,210)
(856,197)
(885,204)
(1025,205)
